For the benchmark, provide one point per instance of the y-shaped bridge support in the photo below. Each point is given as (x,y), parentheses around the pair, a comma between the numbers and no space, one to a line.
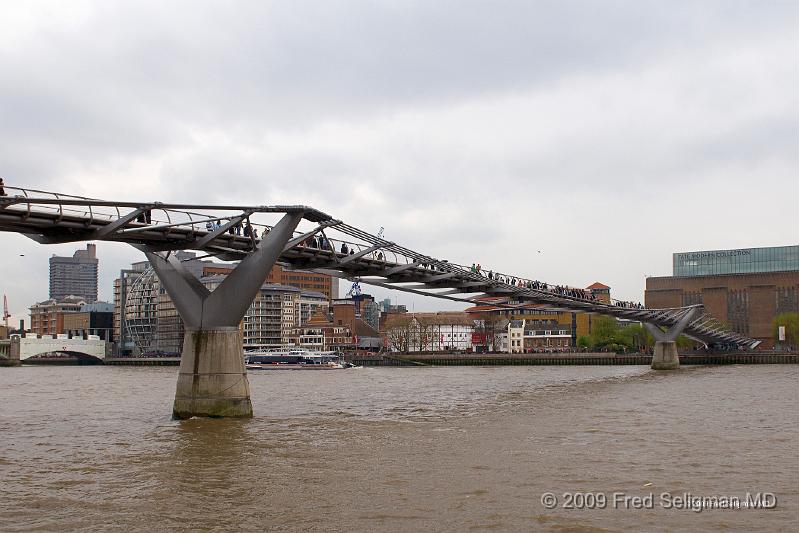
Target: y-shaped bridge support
(213,380)
(665,356)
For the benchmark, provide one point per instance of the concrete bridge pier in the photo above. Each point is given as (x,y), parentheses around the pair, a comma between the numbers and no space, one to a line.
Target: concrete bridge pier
(212,380)
(665,356)
(10,352)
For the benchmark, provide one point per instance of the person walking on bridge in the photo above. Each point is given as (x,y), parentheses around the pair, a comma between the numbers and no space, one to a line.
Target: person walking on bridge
(145,217)
(2,188)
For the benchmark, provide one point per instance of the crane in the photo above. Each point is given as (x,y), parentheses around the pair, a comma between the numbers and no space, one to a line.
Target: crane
(355,292)
(6,315)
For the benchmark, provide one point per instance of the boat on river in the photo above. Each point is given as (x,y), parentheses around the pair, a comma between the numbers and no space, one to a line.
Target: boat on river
(294,359)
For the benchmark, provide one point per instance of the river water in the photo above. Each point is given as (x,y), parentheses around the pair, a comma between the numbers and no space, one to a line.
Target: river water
(400,449)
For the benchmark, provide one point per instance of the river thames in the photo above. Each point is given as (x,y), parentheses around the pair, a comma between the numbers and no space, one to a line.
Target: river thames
(400,449)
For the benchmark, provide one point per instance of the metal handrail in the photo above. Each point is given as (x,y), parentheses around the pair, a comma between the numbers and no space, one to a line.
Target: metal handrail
(185,218)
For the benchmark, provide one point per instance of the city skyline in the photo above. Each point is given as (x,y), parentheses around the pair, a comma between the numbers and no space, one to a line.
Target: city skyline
(607,153)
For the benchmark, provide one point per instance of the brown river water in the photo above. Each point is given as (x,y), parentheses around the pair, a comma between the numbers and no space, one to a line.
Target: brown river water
(401,449)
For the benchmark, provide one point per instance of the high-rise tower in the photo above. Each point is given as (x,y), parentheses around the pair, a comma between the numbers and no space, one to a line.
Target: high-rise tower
(76,275)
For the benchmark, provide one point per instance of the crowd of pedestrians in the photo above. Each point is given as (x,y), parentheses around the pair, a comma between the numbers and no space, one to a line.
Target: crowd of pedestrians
(323,243)
(569,292)
(628,305)
(145,217)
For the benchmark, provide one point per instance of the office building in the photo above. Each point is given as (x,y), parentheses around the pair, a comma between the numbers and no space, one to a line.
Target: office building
(75,276)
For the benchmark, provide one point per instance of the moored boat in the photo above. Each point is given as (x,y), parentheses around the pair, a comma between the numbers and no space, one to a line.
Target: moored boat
(293,359)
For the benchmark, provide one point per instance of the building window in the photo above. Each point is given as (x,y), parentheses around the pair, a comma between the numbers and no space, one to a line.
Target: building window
(691,298)
(738,311)
(787,300)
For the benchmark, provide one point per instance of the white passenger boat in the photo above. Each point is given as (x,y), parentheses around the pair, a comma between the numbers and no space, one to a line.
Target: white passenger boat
(294,359)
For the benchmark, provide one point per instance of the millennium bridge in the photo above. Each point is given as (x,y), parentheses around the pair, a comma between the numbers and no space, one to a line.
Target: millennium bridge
(212,380)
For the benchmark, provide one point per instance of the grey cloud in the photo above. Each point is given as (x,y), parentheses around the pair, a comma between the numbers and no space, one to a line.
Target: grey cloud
(289,63)
(227,104)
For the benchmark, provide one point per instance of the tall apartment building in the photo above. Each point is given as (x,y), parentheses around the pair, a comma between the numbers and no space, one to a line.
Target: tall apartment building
(122,287)
(75,276)
(151,314)
(146,320)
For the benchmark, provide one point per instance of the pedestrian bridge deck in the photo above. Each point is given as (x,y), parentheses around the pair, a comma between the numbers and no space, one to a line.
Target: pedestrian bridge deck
(51,218)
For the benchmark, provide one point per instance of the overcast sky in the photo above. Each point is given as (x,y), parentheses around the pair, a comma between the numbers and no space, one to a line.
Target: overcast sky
(607,135)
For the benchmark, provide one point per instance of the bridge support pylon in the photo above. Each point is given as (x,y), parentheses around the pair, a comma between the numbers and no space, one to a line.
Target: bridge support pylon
(665,356)
(212,380)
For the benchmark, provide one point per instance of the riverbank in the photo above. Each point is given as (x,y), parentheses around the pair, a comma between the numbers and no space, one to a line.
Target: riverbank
(582,359)
(500,359)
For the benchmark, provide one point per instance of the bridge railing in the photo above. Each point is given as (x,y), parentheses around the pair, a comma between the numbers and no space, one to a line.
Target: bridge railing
(199,220)
(200,223)
(555,294)
(511,281)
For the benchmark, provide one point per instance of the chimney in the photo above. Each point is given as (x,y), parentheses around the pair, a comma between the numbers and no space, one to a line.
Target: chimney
(22,327)
(92,251)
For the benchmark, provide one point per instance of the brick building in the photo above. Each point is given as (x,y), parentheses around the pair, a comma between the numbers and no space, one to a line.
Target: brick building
(320,333)
(302,279)
(745,288)
(346,313)
(47,318)
(92,319)
(534,325)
